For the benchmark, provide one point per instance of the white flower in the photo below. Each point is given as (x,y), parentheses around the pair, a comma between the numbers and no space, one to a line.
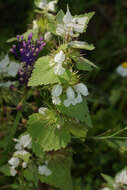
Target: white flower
(70,93)
(71,25)
(48,36)
(57,90)
(79,24)
(58,126)
(49,6)
(60,30)
(24,164)
(14,162)
(13,171)
(105,188)
(42,4)
(122,69)
(82,89)
(59,57)
(59,70)
(67,17)
(52,6)
(4,63)
(35,25)
(44,170)
(10,68)
(42,110)
(56,100)
(70,97)
(121,178)
(21,152)
(78,98)
(23,142)
(13,68)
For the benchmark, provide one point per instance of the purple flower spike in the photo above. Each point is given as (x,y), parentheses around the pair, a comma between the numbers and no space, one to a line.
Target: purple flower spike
(18,37)
(41,39)
(30,36)
(27,51)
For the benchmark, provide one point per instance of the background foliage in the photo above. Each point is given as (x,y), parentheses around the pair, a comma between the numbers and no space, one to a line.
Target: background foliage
(107,102)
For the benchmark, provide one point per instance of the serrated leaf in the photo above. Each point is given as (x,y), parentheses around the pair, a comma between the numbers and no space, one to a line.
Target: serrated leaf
(5,169)
(89,15)
(49,137)
(60,176)
(81,45)
(51,27)
(59,17)
(43,73)
(79,111)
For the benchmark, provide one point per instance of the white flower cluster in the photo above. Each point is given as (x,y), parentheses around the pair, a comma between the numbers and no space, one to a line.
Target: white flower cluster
(71,25)
(120,181)
(122,69)
(59,59)
(80,89)
(44,170)
(23,142)
(8,67)
(49,6)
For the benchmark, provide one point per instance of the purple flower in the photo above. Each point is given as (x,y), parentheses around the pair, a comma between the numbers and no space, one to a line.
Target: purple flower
(27,52)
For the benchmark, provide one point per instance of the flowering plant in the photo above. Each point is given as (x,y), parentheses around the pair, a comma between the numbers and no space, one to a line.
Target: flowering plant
(43,153)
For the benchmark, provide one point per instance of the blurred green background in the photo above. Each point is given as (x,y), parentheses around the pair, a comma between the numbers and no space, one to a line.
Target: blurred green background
(108,32)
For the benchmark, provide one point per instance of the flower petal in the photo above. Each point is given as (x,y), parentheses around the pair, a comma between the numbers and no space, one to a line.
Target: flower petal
(59,70)
(13,171)
(67,102)
(81,88)
(70,93)
(57,90)
(14,162)
(56,100)
(67,17)
(59,57)
(42,110)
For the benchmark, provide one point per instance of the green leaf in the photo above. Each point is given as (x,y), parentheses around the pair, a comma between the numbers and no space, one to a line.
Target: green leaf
(83,63)
(60,177)
(89,15)
(81,45)
(109,180)
(11,39)
(79,111)
(78,130)
(5,170)
(37,149)
(44,73)
(48,136)
(59,17)
(24,157)
(31,173)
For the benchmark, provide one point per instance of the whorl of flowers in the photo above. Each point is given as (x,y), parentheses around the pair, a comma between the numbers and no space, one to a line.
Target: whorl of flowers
(27,52)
